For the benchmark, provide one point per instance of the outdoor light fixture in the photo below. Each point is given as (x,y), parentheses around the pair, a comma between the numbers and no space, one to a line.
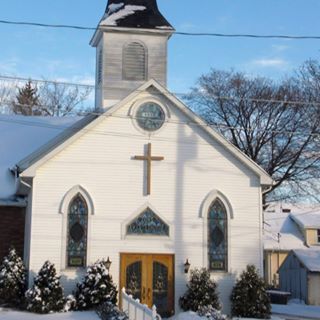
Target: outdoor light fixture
(108,263)
(187,266)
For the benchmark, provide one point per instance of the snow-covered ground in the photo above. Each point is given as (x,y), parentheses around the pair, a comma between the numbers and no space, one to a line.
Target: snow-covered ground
(298,310)
(193,316)
(6,314)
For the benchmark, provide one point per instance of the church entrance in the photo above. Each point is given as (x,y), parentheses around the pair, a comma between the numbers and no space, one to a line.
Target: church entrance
(149,278)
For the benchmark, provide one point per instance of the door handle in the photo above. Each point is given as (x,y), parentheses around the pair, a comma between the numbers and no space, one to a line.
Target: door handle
(143,293)
(149,294)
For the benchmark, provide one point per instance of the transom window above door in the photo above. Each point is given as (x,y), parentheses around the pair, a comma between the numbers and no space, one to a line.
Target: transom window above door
(147,223)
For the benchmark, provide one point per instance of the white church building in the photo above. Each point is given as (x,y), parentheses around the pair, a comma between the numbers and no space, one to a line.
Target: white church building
(143,181)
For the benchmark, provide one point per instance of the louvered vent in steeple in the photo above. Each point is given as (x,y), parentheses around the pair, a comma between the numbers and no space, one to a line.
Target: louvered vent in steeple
(134,62)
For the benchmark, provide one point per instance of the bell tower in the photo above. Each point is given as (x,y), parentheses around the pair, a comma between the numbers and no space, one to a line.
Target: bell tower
(131,48)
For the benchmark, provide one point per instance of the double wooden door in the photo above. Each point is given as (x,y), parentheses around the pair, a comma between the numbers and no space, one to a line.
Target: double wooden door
(149,278)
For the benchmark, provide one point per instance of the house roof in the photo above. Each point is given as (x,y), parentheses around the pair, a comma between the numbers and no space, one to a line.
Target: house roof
(20,137)
(310,258)
(142,14)
(281,232)
(309,219)
(29,164)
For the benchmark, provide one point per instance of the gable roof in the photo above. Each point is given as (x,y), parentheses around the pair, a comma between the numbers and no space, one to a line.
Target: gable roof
(21,136)
(281,232)
(307,220)
(134,14)
(28,165)
(310,258)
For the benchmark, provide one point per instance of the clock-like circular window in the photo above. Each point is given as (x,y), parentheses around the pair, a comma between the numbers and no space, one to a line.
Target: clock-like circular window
(150,116)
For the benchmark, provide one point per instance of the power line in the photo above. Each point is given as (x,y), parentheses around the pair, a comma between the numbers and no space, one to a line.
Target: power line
(193,34)
(218,126)
(178,94)
(20,79)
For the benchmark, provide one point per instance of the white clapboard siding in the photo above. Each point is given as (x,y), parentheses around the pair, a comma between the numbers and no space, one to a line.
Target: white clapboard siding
(121,67)
(194,165)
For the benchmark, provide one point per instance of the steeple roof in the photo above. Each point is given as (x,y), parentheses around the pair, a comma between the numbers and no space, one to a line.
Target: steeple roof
(142,14)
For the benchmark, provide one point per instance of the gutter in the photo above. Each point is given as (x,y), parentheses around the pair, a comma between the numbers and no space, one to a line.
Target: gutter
(17,203)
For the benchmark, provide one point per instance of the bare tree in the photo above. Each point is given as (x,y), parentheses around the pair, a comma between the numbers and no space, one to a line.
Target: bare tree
(261,118)
(7,93)
(58,99)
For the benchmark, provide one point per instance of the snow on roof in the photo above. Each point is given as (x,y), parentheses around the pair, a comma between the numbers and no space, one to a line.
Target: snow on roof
(21,136)
(113,16)
(309,219)
(310,258)
(134,14)
(281,232)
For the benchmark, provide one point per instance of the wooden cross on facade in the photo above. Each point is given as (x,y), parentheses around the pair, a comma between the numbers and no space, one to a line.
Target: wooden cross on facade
(149,158)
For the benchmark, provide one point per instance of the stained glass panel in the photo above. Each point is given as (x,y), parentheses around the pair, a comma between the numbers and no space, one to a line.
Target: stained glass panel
(148,223)
(134,277)
(77,232)
(217,236)
(160,288)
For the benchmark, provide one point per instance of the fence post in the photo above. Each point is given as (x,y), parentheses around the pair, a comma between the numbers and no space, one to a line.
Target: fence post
(154,312)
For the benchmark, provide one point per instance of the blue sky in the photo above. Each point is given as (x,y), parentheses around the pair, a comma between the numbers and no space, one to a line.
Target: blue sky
(66,54)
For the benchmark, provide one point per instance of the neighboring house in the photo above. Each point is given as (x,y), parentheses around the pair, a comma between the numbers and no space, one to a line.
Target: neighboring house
(308,222)
(300,275)
(144,181)
(287,227)
(281,235)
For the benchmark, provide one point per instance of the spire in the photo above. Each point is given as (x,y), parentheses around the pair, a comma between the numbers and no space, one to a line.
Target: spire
(134,14)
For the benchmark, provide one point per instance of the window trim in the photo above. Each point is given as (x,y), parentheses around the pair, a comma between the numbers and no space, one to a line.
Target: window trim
(63,210)
(318,236)
(78,195)
(146,73)
(133,113)
(203,214)
(134,215)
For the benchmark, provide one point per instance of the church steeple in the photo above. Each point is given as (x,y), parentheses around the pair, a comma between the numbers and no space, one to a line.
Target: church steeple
(131,41)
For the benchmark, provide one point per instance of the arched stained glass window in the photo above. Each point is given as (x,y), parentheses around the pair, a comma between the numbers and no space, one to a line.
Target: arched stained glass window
(134,62)
(77,232)
(217,236)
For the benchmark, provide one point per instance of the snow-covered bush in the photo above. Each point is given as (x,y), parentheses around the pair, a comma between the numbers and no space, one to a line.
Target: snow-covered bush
(70,303)
(46,294)
(12,279)
(96,288)
(201,291)
(249,297)
(108,311)
(211,313)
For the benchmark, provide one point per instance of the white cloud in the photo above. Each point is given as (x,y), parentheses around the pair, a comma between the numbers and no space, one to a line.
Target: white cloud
(85,80)
(280,47)
(267,62)
(9,66)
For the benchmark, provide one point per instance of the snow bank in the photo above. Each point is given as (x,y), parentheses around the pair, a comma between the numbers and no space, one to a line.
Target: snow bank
(298,310)
(6,314)
(190,315)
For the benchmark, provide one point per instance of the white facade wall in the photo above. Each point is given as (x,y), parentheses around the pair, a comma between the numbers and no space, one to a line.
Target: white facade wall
(101,162)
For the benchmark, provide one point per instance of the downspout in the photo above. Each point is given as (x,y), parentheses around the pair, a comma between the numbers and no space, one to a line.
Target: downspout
(28,218)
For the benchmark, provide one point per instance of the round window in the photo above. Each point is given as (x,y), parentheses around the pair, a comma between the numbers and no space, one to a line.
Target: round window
(150,116)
